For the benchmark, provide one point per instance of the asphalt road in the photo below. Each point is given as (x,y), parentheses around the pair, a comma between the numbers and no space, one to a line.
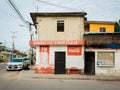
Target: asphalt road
(7,74)
(56,84)
(9,80)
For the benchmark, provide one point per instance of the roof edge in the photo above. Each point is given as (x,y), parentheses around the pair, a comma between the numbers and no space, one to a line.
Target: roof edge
(100,22)
(55,14)
(50,14)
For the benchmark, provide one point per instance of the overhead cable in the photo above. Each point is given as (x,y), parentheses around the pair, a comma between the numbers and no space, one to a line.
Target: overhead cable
(14,7)
(55,5)
(8,14)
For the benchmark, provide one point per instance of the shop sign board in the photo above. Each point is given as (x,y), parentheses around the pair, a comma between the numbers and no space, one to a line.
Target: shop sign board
(56,42)
(74,51)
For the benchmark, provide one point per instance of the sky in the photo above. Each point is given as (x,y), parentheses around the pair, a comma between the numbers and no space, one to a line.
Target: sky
(97,10)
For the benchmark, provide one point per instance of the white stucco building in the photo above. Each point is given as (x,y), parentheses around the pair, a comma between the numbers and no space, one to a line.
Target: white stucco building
(60,43)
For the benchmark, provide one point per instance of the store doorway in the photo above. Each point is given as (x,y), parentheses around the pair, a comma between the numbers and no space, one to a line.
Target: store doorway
(60,62)
(89,63)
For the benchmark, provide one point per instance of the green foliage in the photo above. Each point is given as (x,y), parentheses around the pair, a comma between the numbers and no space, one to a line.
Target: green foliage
(1,61)
(2,48)
(117,26)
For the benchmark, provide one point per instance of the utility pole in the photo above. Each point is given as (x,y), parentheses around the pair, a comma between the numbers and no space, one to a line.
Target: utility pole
(31,38)
(14,7)
(13,45)
(5,46)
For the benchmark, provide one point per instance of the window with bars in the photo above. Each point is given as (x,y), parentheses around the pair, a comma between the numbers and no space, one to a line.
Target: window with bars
(60,26)
(105,58)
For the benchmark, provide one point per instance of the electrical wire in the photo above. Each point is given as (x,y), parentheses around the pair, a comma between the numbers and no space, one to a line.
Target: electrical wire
(14,7)
(35,6)
(8,14)
(55,5)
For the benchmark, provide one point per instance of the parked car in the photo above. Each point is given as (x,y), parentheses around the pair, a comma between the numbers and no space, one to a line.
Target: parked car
(27,60)
(16,64)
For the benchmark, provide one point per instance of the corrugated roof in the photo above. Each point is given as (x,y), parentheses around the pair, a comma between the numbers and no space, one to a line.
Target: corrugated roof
(102,38)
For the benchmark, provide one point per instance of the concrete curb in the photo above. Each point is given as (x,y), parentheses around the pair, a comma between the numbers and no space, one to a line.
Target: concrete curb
(75,78)
(30,74)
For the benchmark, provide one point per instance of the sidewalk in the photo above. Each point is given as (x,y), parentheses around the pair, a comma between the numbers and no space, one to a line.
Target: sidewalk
(30,74)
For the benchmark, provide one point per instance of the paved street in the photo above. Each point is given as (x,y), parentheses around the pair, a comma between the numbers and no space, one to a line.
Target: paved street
(7,74)
(10,80)
(57,84)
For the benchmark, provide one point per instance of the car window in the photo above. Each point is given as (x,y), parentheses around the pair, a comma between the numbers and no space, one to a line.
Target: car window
(26,59)
(16,60)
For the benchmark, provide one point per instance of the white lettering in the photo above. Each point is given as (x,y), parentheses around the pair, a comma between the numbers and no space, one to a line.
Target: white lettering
(74,50)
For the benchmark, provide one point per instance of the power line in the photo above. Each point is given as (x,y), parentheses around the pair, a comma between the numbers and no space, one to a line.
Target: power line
(14,7)
(35,6)
(8,14)
(55,5)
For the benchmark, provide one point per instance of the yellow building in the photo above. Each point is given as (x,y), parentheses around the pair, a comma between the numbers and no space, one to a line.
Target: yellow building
(102,48)
(99,26)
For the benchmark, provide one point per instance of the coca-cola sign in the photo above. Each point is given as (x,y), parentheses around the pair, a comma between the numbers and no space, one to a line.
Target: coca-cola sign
(74,51)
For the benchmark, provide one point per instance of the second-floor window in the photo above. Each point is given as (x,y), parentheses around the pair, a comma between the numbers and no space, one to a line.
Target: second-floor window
(60,26)
(102,29)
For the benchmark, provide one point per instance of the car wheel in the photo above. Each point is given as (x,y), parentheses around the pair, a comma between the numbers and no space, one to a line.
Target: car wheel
(27,68)
(7,70)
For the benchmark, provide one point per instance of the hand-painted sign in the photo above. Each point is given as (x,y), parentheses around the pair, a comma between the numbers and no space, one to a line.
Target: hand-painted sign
(74,51)
(57,42)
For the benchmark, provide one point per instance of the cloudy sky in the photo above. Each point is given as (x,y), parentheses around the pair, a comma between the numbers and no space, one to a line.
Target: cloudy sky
(99,10)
